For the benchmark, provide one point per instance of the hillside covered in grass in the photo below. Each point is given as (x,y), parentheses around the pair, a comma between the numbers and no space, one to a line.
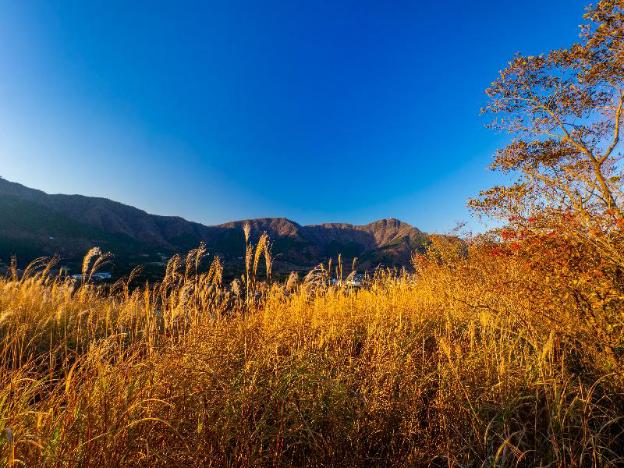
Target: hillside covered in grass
(481,357)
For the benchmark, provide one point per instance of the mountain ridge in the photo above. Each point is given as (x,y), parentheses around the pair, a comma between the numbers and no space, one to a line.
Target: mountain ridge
(45,224)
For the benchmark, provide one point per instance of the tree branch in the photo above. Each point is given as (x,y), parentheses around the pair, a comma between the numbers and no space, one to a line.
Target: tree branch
(616,130)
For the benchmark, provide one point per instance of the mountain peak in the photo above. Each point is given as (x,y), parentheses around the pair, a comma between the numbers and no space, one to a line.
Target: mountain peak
(388,222)
(273,226)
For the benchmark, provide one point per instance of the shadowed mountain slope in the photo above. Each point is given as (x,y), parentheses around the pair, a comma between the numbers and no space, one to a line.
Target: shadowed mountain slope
(34,223)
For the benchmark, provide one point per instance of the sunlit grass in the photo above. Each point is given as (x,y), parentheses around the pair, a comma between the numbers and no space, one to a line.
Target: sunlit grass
(459,362)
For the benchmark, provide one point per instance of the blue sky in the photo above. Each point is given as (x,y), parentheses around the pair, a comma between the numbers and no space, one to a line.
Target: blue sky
(314,110)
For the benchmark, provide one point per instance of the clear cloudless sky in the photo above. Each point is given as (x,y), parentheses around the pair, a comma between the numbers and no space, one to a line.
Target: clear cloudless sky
(323,110)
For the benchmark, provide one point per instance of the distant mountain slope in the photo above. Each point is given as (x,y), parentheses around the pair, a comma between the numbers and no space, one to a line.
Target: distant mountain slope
(34,223)
(111,216)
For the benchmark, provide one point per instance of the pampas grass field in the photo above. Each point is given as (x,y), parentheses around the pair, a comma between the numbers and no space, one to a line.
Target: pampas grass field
(485,354)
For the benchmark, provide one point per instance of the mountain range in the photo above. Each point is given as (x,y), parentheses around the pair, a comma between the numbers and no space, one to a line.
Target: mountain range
(34,223)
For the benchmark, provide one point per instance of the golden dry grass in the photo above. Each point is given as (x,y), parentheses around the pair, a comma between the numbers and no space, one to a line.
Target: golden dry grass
(475,359)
